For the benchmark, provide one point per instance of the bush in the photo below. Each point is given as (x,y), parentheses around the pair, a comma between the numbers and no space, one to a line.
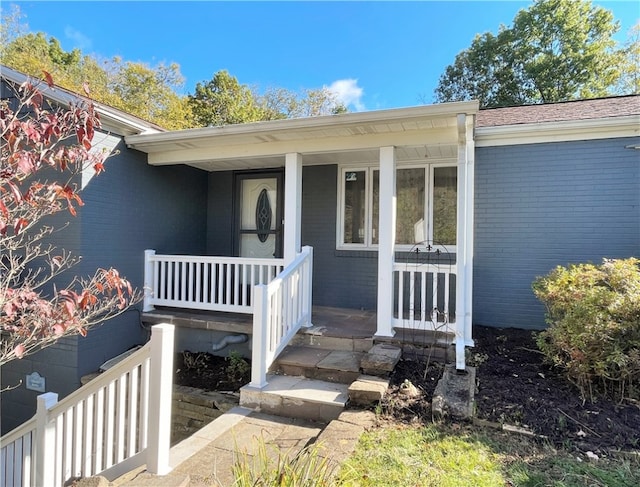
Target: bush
(594,333)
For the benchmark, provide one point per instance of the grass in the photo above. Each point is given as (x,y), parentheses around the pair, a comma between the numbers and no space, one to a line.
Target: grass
(457,456)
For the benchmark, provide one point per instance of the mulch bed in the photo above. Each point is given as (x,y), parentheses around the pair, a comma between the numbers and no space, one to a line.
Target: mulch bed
(208,372)
(515,387)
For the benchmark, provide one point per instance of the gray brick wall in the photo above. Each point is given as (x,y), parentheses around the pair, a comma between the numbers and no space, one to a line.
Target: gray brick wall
(340,278)
(129,208)
(542,205)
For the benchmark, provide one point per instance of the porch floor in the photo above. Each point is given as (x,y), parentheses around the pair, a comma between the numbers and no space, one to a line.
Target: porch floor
(327,321)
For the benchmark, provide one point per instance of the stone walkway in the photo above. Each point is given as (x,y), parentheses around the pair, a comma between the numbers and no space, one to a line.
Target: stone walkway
(207,458)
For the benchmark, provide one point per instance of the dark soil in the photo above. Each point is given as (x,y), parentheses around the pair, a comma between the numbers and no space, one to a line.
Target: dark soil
(515,387)
(211,373)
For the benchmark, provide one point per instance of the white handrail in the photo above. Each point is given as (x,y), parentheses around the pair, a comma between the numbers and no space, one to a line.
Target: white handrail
(104,427)
(205,282)
(423,298)
(281,308)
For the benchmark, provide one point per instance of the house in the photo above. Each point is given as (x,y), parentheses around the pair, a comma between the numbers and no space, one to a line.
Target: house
(435,218)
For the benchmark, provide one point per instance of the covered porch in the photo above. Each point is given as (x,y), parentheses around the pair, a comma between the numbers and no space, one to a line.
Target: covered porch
(418,283)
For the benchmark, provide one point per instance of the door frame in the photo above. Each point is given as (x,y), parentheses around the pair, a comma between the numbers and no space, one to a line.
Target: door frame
(238,177)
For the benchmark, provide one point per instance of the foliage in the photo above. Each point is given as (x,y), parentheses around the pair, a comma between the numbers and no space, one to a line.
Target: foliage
(629,82)
(195,361)
(238,367)
(224,101)
(148,92)
(556,50)
(34,311)
(306,468)
(594,317)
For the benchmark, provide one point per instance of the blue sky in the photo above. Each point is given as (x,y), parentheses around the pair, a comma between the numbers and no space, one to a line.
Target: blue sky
(374,54)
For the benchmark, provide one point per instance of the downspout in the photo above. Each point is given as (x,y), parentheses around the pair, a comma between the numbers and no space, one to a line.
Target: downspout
(229,340)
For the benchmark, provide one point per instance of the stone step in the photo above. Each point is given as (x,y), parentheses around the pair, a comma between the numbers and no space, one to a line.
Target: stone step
(297,397)
(314,337)
(316,363)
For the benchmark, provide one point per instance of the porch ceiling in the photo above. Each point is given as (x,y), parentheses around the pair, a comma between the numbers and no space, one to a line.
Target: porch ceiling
(417,133)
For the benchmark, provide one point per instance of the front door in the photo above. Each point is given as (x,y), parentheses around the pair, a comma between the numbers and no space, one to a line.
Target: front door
(259,214)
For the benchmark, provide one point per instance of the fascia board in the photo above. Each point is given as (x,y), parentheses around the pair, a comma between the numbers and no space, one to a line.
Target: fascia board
(146,142)
(545,132)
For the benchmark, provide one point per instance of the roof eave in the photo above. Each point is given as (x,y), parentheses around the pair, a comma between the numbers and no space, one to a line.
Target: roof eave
(112,119)
(571,130)
(146,142)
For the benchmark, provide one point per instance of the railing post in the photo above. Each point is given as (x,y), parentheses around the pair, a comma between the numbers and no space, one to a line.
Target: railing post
(149,280)
(308,287)
(45,460)
(260,323)
(160,392)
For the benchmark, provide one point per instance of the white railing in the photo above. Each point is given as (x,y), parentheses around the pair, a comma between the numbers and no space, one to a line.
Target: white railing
(424,297)
(113,424)
(282,307)
(205,282)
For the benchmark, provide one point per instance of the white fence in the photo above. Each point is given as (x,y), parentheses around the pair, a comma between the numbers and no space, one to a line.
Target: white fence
(282,307)
(424,297)
(204,282)
(116,422)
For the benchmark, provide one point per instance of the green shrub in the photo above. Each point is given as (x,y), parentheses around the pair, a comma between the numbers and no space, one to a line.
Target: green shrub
(594,333)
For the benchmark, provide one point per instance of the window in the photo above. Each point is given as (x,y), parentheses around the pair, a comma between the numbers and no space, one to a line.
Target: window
(426,199)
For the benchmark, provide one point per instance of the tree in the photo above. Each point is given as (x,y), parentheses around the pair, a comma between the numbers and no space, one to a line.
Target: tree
(148,92)
(34,310)
(556,50)
(629,82)
(224,101)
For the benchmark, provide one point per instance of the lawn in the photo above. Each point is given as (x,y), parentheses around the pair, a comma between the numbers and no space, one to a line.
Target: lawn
(454,455)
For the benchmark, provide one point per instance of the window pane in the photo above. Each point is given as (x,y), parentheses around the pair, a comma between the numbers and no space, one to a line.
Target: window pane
(445,189)
(410,205)
(354,206)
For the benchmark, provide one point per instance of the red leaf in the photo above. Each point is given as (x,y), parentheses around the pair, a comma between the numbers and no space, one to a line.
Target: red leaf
(70,308)
(17,195)
(3,209)
(19,225)
(82,331)
(58,329)
(19,350)
(98,167)
(48,78)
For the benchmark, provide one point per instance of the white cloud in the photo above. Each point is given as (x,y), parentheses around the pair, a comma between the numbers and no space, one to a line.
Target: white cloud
(348,92)
(79,40)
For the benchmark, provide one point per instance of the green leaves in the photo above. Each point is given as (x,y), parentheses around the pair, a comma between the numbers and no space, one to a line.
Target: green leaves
(594,325)
(556,50)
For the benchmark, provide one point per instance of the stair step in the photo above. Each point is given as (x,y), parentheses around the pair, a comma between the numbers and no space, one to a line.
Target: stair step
(297,397)
(313,363)
(313,337)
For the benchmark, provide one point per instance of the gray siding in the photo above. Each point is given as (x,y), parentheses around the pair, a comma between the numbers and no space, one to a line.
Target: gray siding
(220,214)
(542,205)
(345,279)
(129,208)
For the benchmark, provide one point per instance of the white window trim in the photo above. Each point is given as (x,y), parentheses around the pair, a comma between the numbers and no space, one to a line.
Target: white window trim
(369,169)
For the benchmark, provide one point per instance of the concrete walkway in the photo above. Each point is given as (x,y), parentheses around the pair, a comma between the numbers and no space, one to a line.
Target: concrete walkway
(207,457)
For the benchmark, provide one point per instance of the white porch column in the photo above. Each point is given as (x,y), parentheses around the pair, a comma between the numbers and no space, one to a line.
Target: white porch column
(386,240)
(464,243)
(292,206)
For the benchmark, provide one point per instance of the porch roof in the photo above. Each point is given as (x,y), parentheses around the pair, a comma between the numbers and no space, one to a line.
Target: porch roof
(429,131)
